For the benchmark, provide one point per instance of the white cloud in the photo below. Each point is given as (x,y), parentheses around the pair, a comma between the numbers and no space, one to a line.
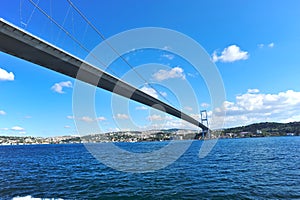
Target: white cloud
(168,123)
(121,116)
(114,130)
(67,126)
(100,118)
(271,45)
(253,91)
(175,72)
(149,91)
(192,75)
(196,116)
(164,94)
(205,105)
(6,76)
(2,112)
(188,108)
(155,118)
(86,119)
(230,54)
(141,108)
(167,48)
(17,128)
(257,107)
(22,132)
(260,46)
(4,129)
(168,56)
(127,58)
(169,117)
(58,87)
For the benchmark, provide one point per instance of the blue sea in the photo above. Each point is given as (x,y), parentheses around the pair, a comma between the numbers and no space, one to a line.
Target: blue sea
(252,168)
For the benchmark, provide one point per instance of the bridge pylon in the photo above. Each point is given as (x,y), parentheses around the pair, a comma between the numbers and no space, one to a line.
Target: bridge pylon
(204,120)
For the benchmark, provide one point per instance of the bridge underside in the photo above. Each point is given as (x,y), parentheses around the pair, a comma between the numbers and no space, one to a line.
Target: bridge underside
(19,43)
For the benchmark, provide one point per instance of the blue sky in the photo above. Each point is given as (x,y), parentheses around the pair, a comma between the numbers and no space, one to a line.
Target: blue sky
(254,45)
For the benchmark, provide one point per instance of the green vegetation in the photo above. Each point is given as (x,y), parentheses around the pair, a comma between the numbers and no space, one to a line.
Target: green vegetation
(265,129)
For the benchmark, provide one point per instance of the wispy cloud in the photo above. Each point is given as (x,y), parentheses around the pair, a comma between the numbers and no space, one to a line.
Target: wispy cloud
(168,56)
(17,128)
(164,94)
(58,87)
(2,112)
(253,91)
(155,118)
(260,46)
(89,119)
(175,72)
(6,76)
(270,45)
(192,75)
(231,53)
(100,118)
(121,116)
(167,48)
(70,117)
(188,108)
(149,91)
(204,105)
(196,116)
(86,119)
(141,108)
(167,122)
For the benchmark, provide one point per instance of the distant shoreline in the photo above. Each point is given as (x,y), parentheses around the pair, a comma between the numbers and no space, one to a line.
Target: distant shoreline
(71,143)
(265,129)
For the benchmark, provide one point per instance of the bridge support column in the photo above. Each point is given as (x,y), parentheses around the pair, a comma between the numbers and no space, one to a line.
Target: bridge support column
(205,132)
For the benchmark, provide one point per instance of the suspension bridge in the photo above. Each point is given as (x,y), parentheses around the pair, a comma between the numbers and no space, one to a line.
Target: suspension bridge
(20,43)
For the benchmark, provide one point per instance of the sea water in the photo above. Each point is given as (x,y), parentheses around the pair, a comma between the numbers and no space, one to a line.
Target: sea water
(250,168)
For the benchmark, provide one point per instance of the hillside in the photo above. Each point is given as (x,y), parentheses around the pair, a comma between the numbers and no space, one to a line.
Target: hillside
(267,129)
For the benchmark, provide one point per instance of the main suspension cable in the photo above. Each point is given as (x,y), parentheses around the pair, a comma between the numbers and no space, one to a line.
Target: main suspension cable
(86,49)
(68,34)
(110,46)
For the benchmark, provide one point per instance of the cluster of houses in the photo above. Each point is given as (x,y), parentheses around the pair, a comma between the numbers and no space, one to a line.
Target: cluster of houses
(126,136)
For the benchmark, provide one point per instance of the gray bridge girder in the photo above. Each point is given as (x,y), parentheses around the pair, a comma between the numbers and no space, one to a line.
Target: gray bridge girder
(19,43)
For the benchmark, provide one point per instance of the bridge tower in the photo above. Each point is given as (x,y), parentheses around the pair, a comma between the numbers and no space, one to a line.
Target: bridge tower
(204,120)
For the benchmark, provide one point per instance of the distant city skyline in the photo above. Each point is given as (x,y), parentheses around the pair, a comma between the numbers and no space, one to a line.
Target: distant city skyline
(253,45)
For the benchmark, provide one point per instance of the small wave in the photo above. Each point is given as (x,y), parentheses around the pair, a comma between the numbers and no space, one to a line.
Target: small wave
(32,198)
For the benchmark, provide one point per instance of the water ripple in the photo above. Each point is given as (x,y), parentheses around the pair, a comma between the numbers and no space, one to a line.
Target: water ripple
(259,168)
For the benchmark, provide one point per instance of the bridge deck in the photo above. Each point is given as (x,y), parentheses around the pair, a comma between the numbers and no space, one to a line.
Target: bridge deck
(24,45)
